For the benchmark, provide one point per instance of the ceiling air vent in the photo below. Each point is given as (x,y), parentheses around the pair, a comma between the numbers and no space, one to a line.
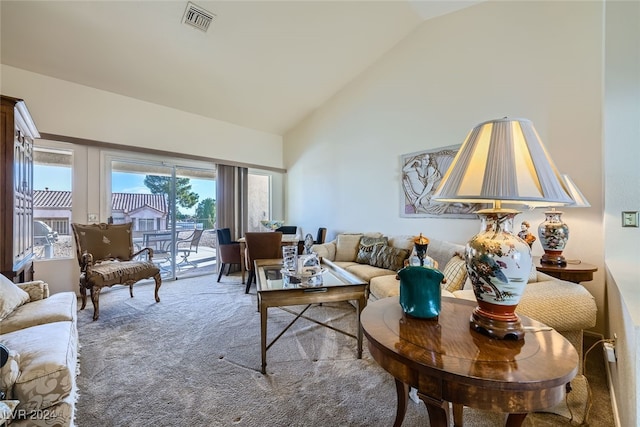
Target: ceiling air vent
(197,17)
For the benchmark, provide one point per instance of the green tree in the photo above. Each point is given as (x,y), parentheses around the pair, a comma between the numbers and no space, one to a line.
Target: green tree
(206,213)
(162,185)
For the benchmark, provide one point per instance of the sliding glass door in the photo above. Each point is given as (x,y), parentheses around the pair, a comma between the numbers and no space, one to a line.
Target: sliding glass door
(173,211)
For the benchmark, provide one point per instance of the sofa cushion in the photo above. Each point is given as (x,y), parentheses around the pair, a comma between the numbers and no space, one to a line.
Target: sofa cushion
(48,355)
(366,247)
(456,274)
(347,246)
(384,286)
(58,307)
(11,296)
(389,257)
(367,272)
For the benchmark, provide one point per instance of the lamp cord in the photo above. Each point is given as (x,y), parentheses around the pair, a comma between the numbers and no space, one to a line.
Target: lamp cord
(589,393)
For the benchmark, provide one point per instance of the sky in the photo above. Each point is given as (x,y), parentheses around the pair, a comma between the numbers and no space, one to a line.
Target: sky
(57,178)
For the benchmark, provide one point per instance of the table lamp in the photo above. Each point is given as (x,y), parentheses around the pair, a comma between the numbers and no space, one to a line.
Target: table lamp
(553,232)
(501,161)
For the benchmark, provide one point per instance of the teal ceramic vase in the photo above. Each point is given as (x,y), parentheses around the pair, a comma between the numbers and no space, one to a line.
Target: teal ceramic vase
(420,294)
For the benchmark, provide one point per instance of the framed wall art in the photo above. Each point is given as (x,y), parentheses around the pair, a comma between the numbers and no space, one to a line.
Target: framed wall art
(422,172)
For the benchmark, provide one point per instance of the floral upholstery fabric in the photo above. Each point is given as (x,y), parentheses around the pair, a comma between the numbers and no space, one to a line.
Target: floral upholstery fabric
(115,272)
(48,356)
(9,373)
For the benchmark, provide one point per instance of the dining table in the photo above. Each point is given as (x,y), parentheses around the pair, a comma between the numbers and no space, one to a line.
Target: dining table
(287,240)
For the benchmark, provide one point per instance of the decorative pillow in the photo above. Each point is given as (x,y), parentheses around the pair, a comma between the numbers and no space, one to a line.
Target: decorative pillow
(105,240)
(366,247)
(388,257)
(456,273)
(11,297)
(347,246)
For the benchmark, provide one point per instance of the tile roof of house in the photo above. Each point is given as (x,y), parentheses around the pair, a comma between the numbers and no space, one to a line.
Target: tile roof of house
(51,199)
(126,202)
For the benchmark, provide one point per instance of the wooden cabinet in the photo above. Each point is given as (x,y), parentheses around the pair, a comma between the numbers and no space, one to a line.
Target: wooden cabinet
(16,190)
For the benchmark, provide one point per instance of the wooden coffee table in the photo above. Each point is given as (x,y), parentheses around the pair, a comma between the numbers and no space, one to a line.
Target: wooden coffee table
(446,362)
(338,285)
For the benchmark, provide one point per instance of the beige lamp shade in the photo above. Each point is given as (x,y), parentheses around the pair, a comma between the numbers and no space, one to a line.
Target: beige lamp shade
(579,201)
(503,160)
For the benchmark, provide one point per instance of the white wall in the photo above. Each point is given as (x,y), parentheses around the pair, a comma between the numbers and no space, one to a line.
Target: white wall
(64,108)
(538,60)
(622,193)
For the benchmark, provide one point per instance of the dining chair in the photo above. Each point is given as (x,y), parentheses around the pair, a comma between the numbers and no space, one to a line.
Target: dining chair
(228,251)
(261,246)
(322,234)
(187,246)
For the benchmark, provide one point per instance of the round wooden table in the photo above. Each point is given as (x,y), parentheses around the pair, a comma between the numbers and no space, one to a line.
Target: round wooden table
(446,362)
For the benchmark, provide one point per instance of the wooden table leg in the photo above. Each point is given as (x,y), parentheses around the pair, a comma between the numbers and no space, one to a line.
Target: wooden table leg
(515,420)
(402,390)
(457,414)
(263,337)
(362,302)
(438,410)
(242,248)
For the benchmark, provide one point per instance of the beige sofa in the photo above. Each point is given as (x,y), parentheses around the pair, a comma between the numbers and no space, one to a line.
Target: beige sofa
(567,307)
(40,332)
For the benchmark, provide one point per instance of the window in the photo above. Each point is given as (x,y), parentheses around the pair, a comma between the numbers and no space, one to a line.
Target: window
(146,224)
(52,175)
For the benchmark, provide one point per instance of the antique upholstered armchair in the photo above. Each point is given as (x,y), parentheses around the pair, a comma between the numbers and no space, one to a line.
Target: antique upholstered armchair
(106,258)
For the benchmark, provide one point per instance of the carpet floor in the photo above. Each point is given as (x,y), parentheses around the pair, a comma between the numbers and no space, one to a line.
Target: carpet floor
(194,360)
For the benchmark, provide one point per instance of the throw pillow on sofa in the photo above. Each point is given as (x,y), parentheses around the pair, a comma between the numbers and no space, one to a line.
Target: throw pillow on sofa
(11,297)
(366,248)
(456,273)
(388,257)
(347,246)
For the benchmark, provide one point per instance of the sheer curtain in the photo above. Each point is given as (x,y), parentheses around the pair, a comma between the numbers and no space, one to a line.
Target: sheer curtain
(231,199)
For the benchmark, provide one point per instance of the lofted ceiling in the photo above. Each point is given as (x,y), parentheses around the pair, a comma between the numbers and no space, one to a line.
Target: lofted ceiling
(263,64)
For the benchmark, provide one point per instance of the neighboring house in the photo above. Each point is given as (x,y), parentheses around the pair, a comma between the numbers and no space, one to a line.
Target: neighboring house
(53,208)
(145,211)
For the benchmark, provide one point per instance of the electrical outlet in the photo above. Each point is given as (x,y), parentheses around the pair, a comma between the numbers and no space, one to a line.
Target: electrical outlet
(630,219)
(610,349)
(93,217)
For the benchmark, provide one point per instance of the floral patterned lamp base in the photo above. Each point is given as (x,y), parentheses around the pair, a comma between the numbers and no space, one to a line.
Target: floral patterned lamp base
(498,263)
(554,235)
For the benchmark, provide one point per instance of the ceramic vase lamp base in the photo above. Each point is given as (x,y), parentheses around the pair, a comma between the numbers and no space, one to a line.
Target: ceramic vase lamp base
(553,257)
(554,235)
(498,263)
(503,327)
